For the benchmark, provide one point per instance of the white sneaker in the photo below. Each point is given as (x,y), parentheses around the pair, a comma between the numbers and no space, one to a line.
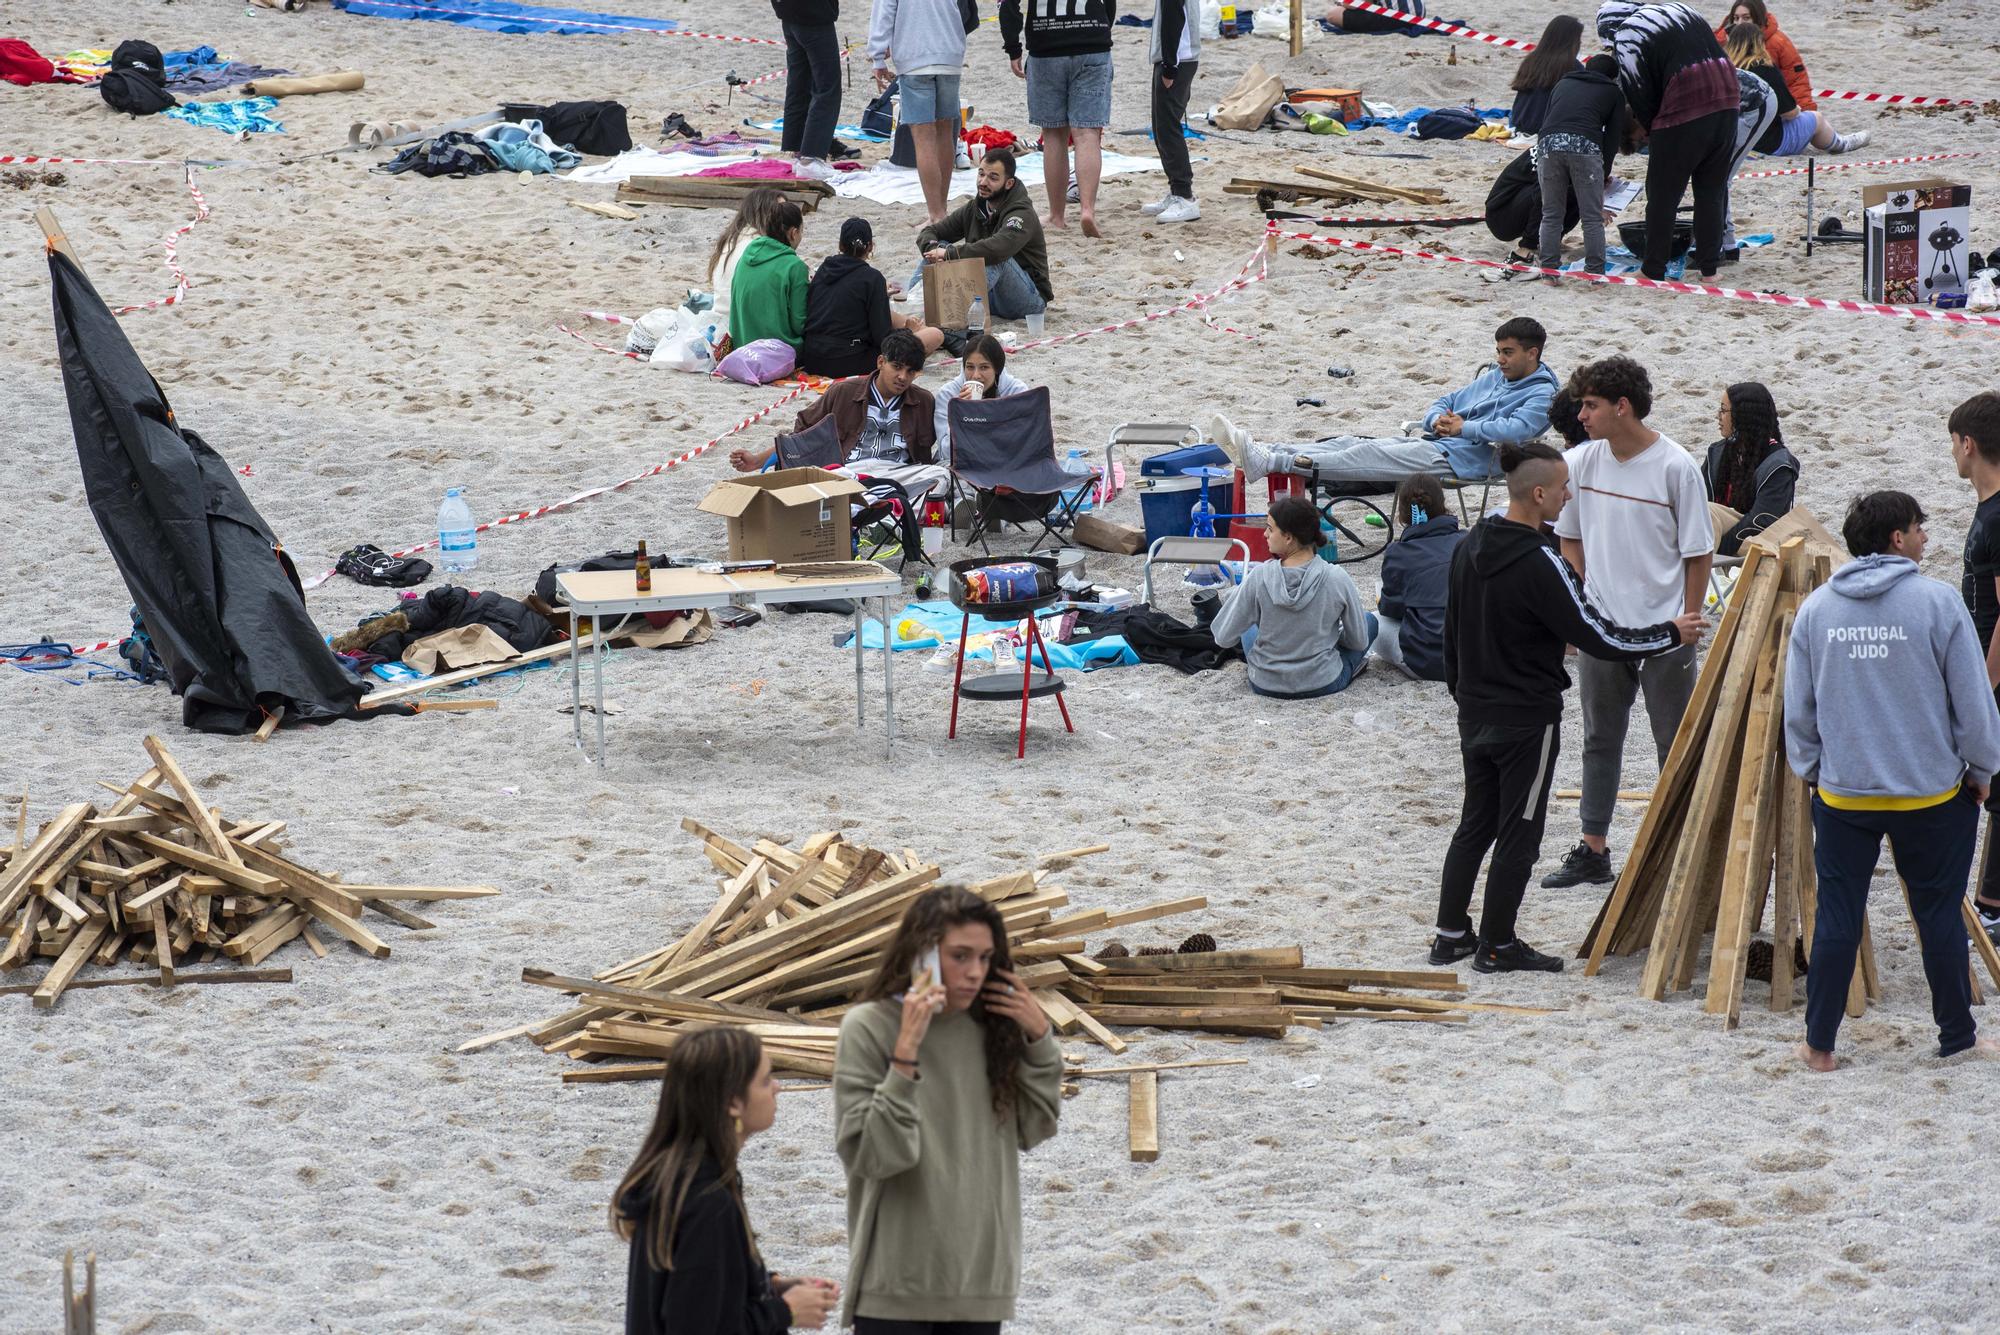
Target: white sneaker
(1153,209)
(1233,440)
(1179,210)
(1847,143)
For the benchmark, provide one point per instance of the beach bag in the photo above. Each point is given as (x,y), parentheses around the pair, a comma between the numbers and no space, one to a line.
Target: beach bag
(878,118)
(689,345)
(595,128)
(136,83)
(760,363)
(1447,123)
(1245,106)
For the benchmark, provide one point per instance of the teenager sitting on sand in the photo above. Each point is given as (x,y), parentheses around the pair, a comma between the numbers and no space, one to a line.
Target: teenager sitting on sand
(1415,572)
(1463,430)
(1000,226)
(1299,618)
(1796,128)
(767,295)
(1783,54)
(847,310)
(983,376)
(751,216)
(1751,476)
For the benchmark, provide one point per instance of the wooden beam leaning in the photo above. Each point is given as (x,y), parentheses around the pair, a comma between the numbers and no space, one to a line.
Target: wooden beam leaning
(1752,832)
(199,816)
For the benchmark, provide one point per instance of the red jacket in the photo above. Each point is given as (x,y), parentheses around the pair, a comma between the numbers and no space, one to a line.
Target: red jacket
(1786,57)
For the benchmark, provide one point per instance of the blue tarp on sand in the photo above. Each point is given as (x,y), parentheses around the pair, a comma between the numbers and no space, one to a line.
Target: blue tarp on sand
(505,16)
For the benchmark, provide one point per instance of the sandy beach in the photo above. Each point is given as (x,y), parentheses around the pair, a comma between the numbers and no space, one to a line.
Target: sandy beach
(316,1157)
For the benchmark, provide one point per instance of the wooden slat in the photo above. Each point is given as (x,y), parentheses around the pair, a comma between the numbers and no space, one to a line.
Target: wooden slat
(1144,1133)
(47,845)
(72,959)
(233,873)
(199,816)
(1217,961)
(1752,833)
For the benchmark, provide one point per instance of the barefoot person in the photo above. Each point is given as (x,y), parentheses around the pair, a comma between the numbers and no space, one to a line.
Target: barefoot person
(1889,715)
(694,1261)
(1513,605)
(926,39)
(939,1084)
(1068,69)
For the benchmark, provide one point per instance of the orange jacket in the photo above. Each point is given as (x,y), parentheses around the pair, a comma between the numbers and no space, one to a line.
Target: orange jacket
(1786,57)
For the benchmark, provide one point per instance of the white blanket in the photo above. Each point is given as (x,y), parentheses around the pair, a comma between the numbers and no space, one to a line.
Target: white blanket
(882,183)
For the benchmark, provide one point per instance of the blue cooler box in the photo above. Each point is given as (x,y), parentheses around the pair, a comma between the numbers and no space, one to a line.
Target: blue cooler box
(1166,498)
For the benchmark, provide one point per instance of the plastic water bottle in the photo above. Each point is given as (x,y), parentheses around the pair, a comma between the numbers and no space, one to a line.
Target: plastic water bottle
(1076,464)
(975,319)
(458,545)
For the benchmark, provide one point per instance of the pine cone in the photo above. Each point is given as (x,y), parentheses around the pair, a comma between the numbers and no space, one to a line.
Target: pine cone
(1156,950)
(1113,950)
(1201,943)
(1758,964)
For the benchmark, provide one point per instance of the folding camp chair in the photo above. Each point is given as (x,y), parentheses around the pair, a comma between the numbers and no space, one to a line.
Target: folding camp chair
(1003,454)
(1162,435)
(885,502)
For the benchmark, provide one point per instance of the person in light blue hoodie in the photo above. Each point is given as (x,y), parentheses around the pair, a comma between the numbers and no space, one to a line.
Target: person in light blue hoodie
(1889,716)
(926,40)
(1462,431)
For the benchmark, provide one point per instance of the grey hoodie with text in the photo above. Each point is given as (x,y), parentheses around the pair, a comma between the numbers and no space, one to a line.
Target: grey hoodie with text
(1885,686)
(1304,615)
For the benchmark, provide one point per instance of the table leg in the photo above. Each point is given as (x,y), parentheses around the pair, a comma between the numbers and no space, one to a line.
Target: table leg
(860,624)
(575,688)
(597,664)
(958,676)
(888,684)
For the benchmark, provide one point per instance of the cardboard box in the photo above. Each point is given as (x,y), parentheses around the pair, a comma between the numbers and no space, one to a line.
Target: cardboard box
(1918,243)
(789,514)
(1106,536)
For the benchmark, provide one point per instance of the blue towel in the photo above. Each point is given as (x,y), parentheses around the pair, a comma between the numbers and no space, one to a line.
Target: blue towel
(942,619)
(505,16)
(247,114)
(1401,124)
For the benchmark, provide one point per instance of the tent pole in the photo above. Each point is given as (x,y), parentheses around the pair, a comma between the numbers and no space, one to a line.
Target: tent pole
(53,234)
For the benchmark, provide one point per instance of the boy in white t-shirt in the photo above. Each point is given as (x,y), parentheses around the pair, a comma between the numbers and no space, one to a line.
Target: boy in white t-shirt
(1637,530)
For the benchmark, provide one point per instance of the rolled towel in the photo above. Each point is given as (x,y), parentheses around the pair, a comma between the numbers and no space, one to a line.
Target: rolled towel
(344,81)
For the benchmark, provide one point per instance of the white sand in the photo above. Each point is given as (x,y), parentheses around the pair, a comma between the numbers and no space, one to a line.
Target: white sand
(313,1156)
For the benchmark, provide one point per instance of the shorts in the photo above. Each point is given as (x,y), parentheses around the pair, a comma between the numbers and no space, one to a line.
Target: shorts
(1065,91)
(1799,131)
(923,98)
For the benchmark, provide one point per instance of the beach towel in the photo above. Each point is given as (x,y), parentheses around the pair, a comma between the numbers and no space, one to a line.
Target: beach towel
(248,115)
(504,16)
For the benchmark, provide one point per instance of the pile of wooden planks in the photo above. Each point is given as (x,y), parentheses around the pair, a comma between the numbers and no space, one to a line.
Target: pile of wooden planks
(719,192)
(159,878)
(795,935)
(1334,189)
(1726,842)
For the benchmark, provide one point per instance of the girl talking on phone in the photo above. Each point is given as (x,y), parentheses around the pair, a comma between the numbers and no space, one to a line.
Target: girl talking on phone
(943,1076)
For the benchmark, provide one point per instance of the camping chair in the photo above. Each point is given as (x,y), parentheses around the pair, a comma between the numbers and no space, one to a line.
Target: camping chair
(1161,435)
(1194,552)
(885,501)
(1003,454)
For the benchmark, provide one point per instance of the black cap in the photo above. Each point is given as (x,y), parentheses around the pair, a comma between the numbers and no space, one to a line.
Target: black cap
(855,233)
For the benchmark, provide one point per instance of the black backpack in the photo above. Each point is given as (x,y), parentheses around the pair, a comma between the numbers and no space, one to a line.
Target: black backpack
(136,83)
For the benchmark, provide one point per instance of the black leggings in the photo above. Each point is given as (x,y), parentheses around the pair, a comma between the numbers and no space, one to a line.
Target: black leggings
(872,1325)
(1700,152)
(1361,21)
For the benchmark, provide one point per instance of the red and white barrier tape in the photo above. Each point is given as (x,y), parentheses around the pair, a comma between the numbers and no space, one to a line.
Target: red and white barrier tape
(1439,25)
(1465,221)
(1664,285)
(37,159)
(522,516)
(1825,167)
(584,23)
(1513,44)
(171,246)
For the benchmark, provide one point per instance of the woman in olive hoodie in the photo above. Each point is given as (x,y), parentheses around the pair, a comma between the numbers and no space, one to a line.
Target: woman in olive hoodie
(767,297)
(941,1080)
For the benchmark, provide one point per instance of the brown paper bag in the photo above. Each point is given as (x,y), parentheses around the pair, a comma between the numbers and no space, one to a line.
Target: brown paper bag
(949,289)
(1245,106)
(460,647)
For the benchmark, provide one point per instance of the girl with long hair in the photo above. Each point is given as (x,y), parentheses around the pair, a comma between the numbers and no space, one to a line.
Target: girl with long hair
(767,295)
(1784,54)
(1797,128)
(745,226)
(946,1071)
(694,1263)
(1542,69)
(982,375)
(1750,473)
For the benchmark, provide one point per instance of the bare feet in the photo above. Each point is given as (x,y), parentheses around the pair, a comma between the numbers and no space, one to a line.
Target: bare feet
(1089,225)
(1816,1060)
(1055,222)
(1985,1047)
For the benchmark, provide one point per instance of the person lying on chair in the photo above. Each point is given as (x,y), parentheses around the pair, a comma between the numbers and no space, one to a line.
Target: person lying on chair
(884,424)
(1462,431)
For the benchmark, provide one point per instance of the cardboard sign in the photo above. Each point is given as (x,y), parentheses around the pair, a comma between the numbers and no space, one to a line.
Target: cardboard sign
(789,514)
(1917,241)
(949,289)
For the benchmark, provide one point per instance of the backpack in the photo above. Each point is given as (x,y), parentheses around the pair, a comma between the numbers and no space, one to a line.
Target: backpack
(136,83)
(878,118)
(1448,123)
(139,654)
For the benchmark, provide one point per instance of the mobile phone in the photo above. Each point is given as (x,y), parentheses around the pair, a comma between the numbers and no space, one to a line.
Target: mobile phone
(925,971)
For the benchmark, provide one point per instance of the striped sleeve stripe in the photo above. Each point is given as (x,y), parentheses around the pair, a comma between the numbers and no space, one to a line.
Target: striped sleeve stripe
(1617,636)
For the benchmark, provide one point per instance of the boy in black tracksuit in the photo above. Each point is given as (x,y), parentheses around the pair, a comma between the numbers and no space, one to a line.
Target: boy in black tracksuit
(1512,605)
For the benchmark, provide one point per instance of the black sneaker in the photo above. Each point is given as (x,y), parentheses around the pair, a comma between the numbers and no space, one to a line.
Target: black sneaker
(1515,957)
(1452,949)
(1733,255)
(1581,866)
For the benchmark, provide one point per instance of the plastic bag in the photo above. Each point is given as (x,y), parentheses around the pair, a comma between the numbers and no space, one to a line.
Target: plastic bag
(1983,292)
(683,339)
(760,363)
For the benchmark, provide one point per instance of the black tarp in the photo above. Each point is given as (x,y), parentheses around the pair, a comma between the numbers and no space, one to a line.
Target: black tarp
(217,592)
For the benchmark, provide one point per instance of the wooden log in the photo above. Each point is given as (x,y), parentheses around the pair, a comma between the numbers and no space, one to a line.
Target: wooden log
(1214,961)
(72,959)
(1144,1133)
(398,694)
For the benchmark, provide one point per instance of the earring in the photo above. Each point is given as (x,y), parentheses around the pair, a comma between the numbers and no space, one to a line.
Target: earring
(738,1122)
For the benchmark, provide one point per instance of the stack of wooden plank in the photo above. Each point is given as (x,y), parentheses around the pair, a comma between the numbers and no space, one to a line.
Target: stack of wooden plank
(795,936)
(159,878)
(1333,188)
(1728,832)
(719,192)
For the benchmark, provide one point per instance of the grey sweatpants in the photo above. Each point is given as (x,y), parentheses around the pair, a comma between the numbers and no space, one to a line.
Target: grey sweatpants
(1608,691)
(1582,173)
(1351,458)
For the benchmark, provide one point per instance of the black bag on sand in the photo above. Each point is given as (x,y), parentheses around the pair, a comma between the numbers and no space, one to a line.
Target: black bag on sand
(595,128)
(136,83)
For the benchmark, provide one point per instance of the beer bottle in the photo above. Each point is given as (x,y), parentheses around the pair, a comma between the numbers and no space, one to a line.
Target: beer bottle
(643,570)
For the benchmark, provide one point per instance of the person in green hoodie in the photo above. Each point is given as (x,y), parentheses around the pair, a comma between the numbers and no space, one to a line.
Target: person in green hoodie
(945,1073)
(767,297)
(1001,227)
